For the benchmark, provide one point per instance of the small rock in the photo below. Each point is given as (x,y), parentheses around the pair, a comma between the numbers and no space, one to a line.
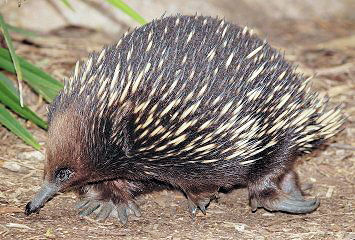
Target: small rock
(267,214)
(12,166)
(240,227)
(34,155)
(350,236)
(17,225)
(330,191)
(259,238)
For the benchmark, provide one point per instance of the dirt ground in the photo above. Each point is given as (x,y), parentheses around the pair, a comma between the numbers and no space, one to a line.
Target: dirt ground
(326,48)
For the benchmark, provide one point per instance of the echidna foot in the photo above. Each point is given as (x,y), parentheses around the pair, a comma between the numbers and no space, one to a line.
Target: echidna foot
(104,209)
(87,206)
(289,185)
(287,204)
(292,205)
(286,196)
(201,204)
(200,201)
(126,209)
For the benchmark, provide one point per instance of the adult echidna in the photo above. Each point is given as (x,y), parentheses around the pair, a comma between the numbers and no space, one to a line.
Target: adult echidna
(186,102)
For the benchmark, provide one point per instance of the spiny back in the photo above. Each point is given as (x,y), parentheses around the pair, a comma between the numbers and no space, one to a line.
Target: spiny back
(197,88)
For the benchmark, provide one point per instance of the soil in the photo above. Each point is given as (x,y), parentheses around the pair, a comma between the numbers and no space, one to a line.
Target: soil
(323,47)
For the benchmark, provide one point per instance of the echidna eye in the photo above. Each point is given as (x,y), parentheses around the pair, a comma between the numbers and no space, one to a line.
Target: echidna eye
(63,174)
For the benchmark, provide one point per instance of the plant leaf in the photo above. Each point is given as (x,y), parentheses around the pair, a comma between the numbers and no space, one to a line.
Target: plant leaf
(68,5)
(13,55)
(9,84)
(41,82)
(128,10)
(24,32)
(14,126)
(10,99)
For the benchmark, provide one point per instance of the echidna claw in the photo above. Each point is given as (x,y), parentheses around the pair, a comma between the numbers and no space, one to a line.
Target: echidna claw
(254,204)
(203,209)
(192,209)
(123,210)
(297,206)
(81,203)
(104,209)
(289,204)
(89,208)
(122,214)
(201,204)
(134,207)
(104,212)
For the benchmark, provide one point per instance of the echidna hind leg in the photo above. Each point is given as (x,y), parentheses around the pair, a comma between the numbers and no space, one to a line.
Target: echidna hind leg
(293,201)
(289,185)
(281,195)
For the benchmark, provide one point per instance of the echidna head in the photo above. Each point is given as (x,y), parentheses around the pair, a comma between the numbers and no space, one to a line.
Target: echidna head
(66,164)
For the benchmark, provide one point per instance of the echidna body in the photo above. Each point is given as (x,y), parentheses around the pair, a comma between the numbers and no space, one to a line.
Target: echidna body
(186,102)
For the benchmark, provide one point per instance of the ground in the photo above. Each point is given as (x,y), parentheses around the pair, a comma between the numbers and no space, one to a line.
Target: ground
(325,48)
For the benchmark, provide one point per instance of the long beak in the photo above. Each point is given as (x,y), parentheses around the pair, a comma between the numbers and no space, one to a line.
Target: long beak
(47,191)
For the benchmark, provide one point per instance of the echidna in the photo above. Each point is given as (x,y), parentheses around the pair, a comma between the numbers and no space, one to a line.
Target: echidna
(192,103)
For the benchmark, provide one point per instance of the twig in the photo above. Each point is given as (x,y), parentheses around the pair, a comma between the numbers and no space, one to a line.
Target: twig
(304,218)
(343,146)
(335,70)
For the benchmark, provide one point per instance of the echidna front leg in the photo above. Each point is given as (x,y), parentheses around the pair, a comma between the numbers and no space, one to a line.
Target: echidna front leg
(107,208)
(110,198)
(280,194)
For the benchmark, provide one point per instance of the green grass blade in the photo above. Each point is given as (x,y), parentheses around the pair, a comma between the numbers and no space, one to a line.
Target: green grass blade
(10,99)
(13,55)
(40,81)
(6,87)
(8,84)
(24,112)
(4,53)
(128,10)
(24,32)
(39,84)
(14,126)
(68,5)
